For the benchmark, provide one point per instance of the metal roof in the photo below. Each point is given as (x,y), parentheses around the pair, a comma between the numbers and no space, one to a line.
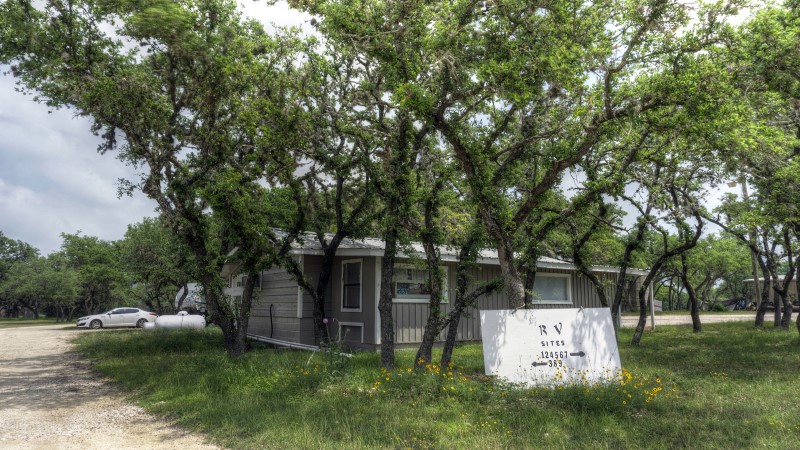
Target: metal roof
(369,246)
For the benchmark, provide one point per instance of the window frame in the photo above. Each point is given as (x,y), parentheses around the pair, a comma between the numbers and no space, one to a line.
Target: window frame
(360,262)
(354,325)
(427,298)
(566,276)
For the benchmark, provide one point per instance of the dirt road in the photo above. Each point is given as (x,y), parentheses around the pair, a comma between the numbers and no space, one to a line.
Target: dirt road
(682,319)
(49,399)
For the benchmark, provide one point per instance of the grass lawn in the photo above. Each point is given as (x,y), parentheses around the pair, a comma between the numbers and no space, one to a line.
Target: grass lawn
(684,312)
(731,386)
(14,323)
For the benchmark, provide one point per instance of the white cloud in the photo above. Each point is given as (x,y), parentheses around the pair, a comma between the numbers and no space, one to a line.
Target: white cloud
(279,14)
(52,179)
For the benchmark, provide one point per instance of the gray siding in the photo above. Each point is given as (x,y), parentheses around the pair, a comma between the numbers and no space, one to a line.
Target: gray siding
(366,317)
(410,318)
(278,291)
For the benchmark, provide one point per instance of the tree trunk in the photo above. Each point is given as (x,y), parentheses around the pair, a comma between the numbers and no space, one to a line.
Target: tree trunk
(797,288)
(434,325)
(321,291)
(787,281)
(630,247)
(466,258)
(637,335)
(669,295)
(786,318)
(693,306)
(530,280)
(619,293)
(385,301)
(425,350)
(452,333)
(221,313)
(30,307)
(515,288)
(243,314)
(596,282)
(762,308)
(776,317)
(694,309)
(662,259)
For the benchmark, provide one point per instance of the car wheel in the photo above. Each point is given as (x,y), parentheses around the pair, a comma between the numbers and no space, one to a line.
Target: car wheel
(140,323)
(96,324)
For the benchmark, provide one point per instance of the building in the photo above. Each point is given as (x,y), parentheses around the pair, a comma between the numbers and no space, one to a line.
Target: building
(282,311)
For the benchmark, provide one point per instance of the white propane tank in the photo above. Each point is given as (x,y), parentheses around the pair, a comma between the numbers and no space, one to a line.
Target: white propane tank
(181,320)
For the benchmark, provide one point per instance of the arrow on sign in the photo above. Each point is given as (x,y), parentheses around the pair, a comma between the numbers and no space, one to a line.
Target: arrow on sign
(580,353)
(539,364)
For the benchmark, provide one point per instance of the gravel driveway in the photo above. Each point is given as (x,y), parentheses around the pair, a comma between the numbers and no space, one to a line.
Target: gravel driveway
(49,399)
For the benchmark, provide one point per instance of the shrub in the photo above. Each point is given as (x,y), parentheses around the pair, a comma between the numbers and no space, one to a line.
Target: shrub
(717,307)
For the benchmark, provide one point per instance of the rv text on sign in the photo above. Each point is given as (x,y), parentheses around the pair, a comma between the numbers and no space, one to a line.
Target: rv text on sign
(550,346)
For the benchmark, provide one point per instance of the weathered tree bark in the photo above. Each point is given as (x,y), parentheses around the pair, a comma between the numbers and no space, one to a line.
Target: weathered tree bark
(688,243)
(670,295)
(321,290)
(783,287)
(630,247)
(514,286)
(761,312)
(385,301)
(580,263)
(318,292)
(798,288)
(530,281)
(693,306)
(30,306)
(437,321)
(430,233)
(464,300)
(452,334)
(433,327)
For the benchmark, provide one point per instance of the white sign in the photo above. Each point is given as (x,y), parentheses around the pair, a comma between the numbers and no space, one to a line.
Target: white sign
(657,305)
(548,347)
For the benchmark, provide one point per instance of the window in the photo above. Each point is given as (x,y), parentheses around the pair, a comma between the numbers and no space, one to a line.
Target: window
(351,332)
(351,285)
(552,288)
(410,284)
(242,281)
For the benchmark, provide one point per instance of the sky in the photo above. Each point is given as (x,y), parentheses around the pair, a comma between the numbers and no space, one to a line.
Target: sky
(53,181)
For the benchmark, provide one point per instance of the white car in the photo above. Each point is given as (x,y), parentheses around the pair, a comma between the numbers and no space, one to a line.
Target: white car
(118,317)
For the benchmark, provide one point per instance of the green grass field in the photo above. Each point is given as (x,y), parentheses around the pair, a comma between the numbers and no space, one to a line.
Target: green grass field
(731,386)
(13,323)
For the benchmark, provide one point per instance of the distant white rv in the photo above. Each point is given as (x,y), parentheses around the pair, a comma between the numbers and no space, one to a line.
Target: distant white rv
(194,300)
